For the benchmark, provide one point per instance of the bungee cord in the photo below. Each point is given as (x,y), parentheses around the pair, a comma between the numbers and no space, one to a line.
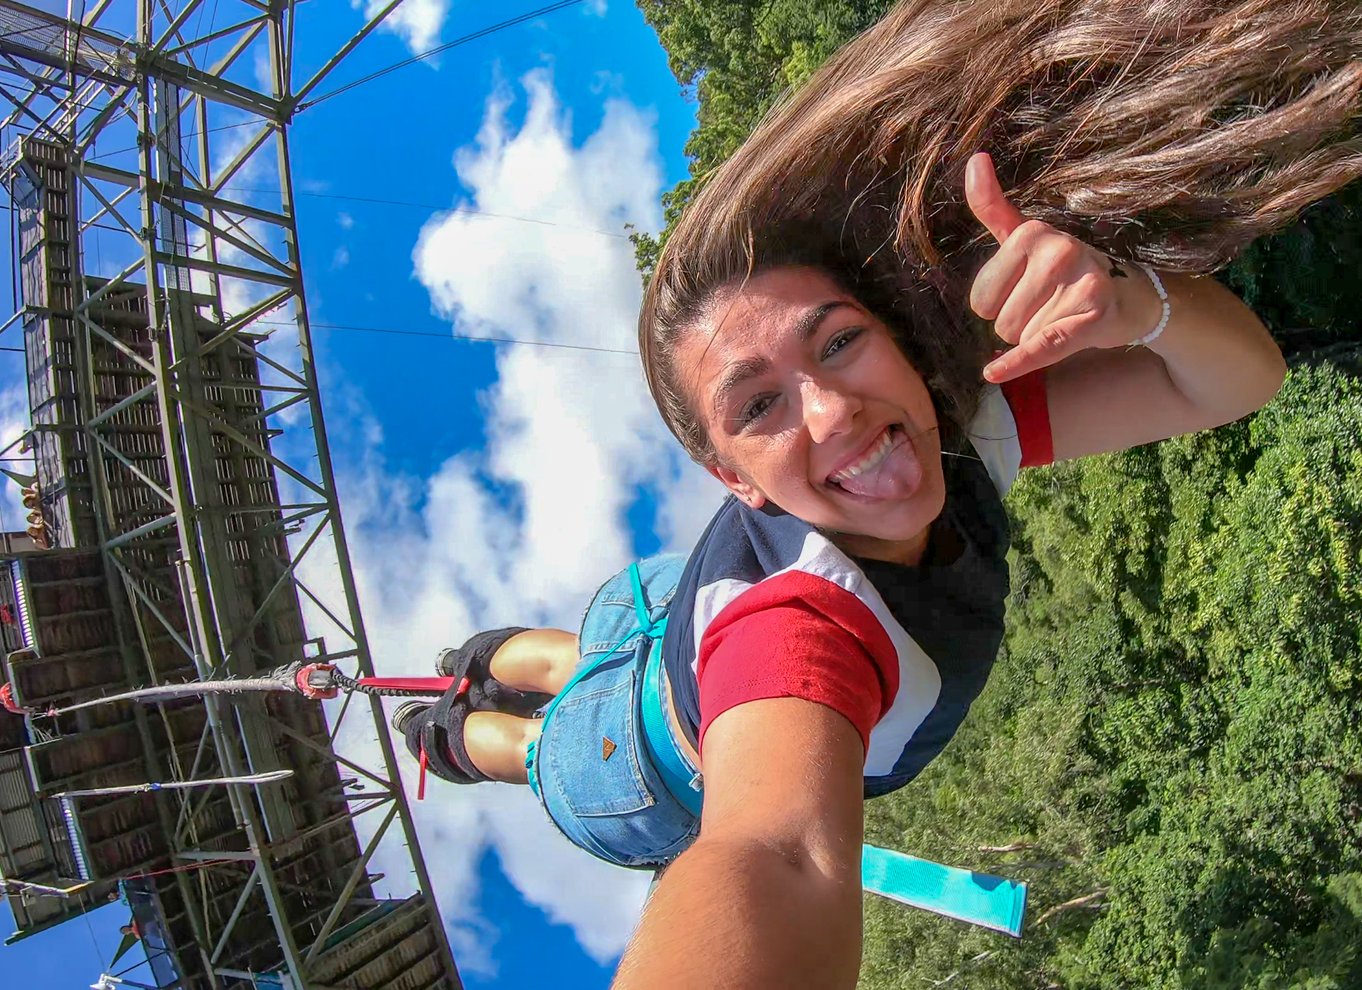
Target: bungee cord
(268,777)
(390,687)
(170,692)
(316,681)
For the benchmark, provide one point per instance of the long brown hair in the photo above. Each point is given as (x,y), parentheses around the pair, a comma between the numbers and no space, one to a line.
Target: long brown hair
(1170,131)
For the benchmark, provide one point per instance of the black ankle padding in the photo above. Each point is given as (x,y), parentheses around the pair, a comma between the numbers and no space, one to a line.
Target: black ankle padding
(493,696)
(420,734)
(485,693)
(411,733)
(440,733)
(477,653)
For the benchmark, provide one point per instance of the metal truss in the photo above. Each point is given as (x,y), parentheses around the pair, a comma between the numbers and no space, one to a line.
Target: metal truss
(220,527)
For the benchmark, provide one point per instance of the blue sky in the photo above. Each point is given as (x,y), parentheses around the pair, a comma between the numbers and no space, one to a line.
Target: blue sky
(483,483)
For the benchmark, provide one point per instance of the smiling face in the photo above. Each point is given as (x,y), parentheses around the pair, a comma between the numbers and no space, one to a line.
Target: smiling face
(810,405)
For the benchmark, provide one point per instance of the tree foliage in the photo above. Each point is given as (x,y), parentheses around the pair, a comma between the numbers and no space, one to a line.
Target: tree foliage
(1171,730)
(735,58)
(1168,750)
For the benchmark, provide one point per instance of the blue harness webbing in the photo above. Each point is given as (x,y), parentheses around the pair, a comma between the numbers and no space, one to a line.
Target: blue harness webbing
(977,898)
(682,780)
(652,629)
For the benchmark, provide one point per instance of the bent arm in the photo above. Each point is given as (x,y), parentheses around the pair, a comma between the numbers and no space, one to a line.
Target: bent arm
(1214,363)
(770,893)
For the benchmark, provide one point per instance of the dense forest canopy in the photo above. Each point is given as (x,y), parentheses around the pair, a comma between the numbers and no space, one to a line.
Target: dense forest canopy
(1168,750)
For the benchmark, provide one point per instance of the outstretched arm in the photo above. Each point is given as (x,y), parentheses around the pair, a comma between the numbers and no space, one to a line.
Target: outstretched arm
(1058,302)
(1213,364)
(770,893)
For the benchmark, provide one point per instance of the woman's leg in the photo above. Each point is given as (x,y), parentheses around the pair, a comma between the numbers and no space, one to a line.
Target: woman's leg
(498,744)
(537,660)
(540,660)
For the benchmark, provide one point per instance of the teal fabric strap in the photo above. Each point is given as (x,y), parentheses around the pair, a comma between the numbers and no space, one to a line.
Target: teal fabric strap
(646,626)
(531,777)
(645,622)
(662,746)
(980,899)
(976,898)
(651,629)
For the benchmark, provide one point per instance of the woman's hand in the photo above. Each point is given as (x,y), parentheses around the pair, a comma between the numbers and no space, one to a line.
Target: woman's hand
(1048,293)
(1057,300)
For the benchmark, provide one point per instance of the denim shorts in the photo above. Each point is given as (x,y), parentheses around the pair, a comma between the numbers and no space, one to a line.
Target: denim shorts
(590,767)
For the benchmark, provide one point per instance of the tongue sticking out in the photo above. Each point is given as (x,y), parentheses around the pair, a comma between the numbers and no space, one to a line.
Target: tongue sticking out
(897,476)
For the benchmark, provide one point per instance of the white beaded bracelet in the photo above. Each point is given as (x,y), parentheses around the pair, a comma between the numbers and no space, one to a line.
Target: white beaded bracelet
(1153,335)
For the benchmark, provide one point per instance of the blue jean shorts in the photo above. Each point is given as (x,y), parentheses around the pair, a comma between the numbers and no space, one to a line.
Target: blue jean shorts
(590,767)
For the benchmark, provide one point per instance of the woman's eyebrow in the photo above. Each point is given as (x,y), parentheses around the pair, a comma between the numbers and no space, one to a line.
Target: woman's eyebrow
(734,375)
(807,325)
(740,371)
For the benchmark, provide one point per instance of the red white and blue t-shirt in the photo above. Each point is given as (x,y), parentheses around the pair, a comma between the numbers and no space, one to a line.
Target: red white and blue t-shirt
(768,607)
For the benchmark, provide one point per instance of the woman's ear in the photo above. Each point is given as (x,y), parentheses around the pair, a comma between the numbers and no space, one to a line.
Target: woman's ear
(750,495)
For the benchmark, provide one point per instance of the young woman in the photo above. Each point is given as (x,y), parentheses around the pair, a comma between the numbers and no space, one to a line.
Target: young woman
(819,333)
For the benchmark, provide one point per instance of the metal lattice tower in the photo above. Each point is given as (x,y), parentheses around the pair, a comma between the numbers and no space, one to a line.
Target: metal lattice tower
(184,518)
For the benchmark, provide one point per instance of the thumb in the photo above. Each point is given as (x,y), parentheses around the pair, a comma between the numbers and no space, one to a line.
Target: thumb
(984,194)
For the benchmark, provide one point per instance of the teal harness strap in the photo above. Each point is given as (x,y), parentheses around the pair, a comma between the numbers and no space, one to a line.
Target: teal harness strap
(977,898)
(681,780)
(980,899)
(651,629)
(645,622)
(646,626)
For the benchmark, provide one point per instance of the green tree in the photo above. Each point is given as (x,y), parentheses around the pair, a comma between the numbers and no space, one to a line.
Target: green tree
(1167,745)
(1167,751)
(735,58)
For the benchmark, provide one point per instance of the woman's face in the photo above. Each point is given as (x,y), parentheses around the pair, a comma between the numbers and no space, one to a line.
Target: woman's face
(811,405)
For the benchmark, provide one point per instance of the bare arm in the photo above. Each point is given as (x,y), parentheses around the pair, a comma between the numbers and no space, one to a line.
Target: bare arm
(1056,299)
(1214,363)
(770,893)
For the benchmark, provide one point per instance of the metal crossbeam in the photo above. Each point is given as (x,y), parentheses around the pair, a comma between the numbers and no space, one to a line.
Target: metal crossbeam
(211,453)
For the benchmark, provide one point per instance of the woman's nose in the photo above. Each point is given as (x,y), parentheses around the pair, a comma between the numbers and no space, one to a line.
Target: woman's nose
(827,412)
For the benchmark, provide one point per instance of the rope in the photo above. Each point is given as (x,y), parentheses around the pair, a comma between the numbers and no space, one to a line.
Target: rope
(440,49)
(201,864)
(41,890)
(447,335)
(279,680)
(349,684)
(255,778)
(167,692)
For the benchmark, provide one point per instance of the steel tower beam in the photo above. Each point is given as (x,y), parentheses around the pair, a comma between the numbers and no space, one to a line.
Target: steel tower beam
(211,488)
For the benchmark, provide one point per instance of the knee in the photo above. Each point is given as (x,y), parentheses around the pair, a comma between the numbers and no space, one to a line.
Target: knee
(545,658)
(551,646)
(485,731)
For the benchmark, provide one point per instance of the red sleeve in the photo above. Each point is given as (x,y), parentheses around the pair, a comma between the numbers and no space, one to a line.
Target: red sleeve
(798,636)
(1026,397)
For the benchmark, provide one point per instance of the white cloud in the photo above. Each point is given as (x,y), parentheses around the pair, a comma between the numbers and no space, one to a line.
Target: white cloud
(257,173)
(417,21)
(264,78)
(572,437)
(345,220)
(14,423)
(605,81)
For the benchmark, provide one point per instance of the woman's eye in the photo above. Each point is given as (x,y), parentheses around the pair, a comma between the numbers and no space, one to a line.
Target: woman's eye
(756,409)
(841,340)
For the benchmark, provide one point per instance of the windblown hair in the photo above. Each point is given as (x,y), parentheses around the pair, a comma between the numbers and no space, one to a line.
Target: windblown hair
(1174,132)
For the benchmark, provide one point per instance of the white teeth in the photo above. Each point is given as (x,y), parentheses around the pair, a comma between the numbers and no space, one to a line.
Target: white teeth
(871,460)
